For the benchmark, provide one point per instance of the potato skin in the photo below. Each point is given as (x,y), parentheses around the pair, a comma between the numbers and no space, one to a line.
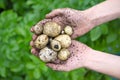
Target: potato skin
(41,41)
(68,30)
(47,55)
(63,54)
(52,29)
(64,39)
(55,45)
(38,29)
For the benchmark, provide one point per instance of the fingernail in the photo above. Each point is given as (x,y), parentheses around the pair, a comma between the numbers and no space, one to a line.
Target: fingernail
(34,37)
(33,51)
(31,29)
(31,43)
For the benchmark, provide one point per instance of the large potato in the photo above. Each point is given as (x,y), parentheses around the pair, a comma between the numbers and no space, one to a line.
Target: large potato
(52,29)
(64,40)
(47,55)
(41,41)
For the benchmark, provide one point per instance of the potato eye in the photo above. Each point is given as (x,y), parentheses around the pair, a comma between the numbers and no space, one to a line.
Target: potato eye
(56,47)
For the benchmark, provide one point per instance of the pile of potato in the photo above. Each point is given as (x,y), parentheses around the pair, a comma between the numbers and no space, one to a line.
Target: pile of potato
(53,41)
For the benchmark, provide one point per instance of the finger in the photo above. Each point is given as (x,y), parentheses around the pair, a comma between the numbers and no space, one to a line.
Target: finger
(32,29)
(57,61)
(31,43)
(35,51)
(34,37)
(54,13)
(59,67)
(77,32)
(39,24)
(42,22)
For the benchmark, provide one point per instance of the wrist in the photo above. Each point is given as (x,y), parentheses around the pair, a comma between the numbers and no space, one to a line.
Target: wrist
(87,57)
(103,12)
(102,62)
(89,15)
(90,58)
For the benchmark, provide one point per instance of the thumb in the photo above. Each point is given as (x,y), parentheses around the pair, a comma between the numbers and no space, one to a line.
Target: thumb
(54,13)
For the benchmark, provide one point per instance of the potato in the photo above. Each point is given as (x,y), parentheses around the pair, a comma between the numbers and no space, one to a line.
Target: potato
(55,45)
(64,40)
(53,41)
(52,29)
(38,28)
(63,54)
(41,41)
(68,30)
(47,55)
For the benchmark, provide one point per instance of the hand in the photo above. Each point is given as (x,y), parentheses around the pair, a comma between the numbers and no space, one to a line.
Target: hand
(77,59)
(80,25)
(78,19)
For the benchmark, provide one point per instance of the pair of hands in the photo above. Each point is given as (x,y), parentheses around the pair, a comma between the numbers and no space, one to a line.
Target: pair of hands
(81,25)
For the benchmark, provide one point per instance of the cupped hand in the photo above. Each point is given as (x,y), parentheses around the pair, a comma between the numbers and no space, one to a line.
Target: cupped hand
(76,60)
(77,19)
(80,24)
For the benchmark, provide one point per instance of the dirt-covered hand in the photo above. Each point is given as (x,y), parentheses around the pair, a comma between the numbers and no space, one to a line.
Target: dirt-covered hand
(77,59)
(81,24)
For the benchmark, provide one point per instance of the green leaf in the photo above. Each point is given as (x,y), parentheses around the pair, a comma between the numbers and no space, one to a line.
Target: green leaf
(3,71)
(34,59)
(43,67)
(104,29)
(17,78)
(111,38)
(2,4)
(8,17)
(17,68)
(21,31)
(30,2)
(36,73)
(86,2)
(30,65)
(95,33)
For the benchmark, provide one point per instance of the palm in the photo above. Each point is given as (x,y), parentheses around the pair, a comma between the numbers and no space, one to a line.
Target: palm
(76,60)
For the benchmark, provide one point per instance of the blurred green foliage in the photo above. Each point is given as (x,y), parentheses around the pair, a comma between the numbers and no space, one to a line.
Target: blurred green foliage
(16,60)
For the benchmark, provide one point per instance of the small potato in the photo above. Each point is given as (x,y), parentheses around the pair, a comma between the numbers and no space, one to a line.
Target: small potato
(41,41)
(47,55)
(64,40)
(52,29)
(56,46)
(68,30)
(63,54)
(38,28)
